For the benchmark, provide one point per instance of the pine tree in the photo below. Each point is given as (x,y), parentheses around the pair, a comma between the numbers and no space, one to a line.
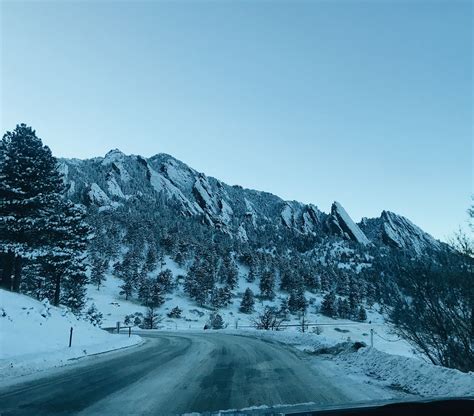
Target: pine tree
(362,314)
(284,309)
(175,312)
(328,306)
(98,270)
(65,262)
(232,274)
(343,286)
(313,282)
(248,301)
(354,298)
(93,315)
(343,308)
(200,279)
(216,321)
(220,297)
(127,288)
(30,189)
(371,294)
(150,320)
(297,301)
(267,285)
(287,280)
(165,280)
(325,282)
(150,293)
(251,275)
(150,260)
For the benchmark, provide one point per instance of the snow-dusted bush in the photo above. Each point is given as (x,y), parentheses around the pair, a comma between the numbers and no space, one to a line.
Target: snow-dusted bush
(175,312)
(93,315)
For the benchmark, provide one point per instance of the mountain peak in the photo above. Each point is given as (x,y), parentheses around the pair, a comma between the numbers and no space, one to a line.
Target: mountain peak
(113,155)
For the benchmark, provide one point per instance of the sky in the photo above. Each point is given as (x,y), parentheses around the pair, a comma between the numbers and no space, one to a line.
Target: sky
(365,102)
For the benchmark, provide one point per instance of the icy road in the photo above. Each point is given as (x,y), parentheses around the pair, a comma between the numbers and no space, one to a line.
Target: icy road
(175,373)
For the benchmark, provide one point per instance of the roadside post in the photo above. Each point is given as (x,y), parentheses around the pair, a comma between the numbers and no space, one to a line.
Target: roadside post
(70,337)
(371,337)
(118,327)
(129,331)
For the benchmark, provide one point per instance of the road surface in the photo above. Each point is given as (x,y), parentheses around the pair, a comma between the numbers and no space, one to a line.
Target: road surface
(175,373)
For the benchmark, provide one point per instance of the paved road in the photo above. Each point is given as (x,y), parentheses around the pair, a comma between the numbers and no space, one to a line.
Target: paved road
(176,373)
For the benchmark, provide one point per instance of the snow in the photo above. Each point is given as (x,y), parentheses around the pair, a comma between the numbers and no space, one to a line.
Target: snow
(390,364)
(416,376)
(114,188)
(287,216)
(251,211)
(113,205)
(162,184)
(180,177)
(35,336)
(110,303)
(202,188)
(113,156)
(226,212)
(98,196)
(354,229)
(72,188)
(241,233)
(114,307)
(403,233)
(308,224)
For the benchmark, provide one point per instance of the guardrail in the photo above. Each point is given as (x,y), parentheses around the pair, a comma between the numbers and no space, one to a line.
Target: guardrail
(116,329)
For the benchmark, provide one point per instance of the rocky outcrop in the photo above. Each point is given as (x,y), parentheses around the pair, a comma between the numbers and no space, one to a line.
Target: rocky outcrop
(399,232)
(340,223)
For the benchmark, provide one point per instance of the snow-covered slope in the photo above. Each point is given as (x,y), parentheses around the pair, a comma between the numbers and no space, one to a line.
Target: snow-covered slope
(35,335)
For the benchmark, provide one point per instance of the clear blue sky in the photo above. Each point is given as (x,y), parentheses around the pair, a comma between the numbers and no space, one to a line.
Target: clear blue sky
(364,102)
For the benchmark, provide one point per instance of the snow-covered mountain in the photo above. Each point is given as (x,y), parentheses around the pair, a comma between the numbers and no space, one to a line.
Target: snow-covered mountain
(118,180)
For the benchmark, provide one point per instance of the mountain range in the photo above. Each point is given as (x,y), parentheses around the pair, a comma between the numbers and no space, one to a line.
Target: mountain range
(117,182)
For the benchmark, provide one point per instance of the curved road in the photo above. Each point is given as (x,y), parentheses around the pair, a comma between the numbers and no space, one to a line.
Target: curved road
(174,373)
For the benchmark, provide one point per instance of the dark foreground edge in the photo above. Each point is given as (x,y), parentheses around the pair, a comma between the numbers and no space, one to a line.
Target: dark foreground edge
(429,407)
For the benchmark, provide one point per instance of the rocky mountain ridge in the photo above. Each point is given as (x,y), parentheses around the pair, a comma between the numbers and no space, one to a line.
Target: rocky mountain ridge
(117,180)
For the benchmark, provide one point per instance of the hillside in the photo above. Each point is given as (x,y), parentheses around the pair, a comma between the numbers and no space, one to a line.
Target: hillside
(157,213)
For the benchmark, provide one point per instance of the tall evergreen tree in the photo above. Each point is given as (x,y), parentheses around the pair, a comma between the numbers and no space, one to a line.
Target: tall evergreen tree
(267,284)
(98,270)
(361,314)
(251,274)
(165,280)
(30,189)
(343,308)
(72,240)
(328,305)
(248,301)
(297,301)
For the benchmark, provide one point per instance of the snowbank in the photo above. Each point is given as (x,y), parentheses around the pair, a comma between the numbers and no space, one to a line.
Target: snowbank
(409,374)
(35,336)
